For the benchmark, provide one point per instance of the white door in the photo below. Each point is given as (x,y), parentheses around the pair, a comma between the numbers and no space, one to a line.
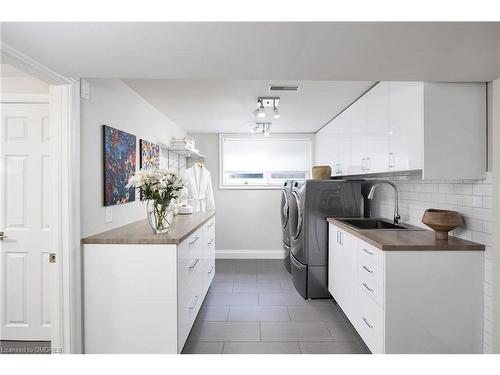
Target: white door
(25,201)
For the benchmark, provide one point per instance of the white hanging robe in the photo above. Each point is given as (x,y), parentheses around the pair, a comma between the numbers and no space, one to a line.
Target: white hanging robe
(199,182)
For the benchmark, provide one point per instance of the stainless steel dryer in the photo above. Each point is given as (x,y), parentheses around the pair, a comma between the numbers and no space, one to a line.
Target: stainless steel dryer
(312,202)
(286,196)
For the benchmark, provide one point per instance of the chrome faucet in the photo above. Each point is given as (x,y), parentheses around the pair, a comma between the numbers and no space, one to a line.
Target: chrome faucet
(396,204)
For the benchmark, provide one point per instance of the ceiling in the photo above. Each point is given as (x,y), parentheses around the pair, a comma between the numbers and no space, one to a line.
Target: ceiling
(227,105)
(341,51)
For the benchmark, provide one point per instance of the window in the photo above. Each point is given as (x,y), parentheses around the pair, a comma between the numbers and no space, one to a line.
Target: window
(263,162)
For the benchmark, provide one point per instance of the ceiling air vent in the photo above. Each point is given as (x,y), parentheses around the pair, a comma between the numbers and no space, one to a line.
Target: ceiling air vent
(283,88)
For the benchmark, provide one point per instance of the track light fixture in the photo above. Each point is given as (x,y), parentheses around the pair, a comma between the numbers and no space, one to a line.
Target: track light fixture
(267,102)
(261,112)
(263,128)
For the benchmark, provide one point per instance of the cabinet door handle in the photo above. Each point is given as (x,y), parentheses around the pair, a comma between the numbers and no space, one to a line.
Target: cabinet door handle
(368,164)
(195,262)
(338,232)
(211,241)
(193,303)
(367,269)
(367,251)
(341,235)
(193,241)
(367,287)
(363,164)
(367,323)
(391,160)
(211,269)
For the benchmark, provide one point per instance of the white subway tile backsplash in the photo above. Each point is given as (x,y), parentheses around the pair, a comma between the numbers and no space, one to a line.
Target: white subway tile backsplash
(483,189)
(487,227)
(487,202)
(482,213)
(462,188)
(472,198)
(474,224)
(483,238)
(445,188)
(462,233)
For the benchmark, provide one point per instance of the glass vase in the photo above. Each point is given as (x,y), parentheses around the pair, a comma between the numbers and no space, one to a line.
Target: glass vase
(160,216)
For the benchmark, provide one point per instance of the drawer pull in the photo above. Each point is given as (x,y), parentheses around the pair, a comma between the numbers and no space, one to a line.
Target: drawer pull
(211,269)
(367,323)
(193,241)
(367,269)
(193,303)
(368,251)
(367,287)
(210,225)
(195,262)
(211,241)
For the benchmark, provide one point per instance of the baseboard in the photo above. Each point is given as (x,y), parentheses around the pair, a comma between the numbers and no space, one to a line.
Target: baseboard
(249,254)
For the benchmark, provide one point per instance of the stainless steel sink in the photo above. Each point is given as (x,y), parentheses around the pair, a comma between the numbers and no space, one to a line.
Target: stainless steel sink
(384,224)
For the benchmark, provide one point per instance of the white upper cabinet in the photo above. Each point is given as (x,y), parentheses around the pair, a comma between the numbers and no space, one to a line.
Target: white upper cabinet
(439,128)
(405,125)
(333,144)
(341,144)
(358,136)
(321,147)
(376,129)
(454,139)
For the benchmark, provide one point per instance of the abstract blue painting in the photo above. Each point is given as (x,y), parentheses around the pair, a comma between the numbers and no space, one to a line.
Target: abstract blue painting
(150,155)
(119,165)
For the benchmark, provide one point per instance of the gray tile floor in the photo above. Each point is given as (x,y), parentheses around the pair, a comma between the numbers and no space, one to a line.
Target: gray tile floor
(252,307)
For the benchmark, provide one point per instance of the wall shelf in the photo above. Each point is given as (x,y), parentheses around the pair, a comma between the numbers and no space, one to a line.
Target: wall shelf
(184,152)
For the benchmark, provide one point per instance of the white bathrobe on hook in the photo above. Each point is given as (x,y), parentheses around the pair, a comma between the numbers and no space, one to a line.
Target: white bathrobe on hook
(199,184)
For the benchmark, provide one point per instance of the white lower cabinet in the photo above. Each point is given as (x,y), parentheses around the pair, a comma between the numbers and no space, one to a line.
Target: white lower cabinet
(408,301)
(145,298)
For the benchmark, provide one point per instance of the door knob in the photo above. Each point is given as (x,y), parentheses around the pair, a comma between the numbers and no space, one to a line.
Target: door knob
(2,236)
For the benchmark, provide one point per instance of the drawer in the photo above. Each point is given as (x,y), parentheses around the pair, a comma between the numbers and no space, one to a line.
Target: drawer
(190,258)
(210,228)
(190,301)
(370,323)
(370,271)
(370,256)
(369,285)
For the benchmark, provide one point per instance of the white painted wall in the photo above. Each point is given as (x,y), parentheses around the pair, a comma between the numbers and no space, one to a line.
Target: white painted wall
(114,103)
(246,219)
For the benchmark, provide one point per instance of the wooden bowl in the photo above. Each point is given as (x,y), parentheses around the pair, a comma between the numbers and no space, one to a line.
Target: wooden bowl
(442,221)
(321,172)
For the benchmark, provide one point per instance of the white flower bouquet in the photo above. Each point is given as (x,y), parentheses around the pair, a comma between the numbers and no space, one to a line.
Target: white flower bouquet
(160,188)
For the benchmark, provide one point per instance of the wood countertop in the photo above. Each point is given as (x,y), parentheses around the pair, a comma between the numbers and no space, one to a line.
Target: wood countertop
(397,240)
(140,232)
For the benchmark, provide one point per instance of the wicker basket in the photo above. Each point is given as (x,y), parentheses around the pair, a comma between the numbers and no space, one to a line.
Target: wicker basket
(321,172)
